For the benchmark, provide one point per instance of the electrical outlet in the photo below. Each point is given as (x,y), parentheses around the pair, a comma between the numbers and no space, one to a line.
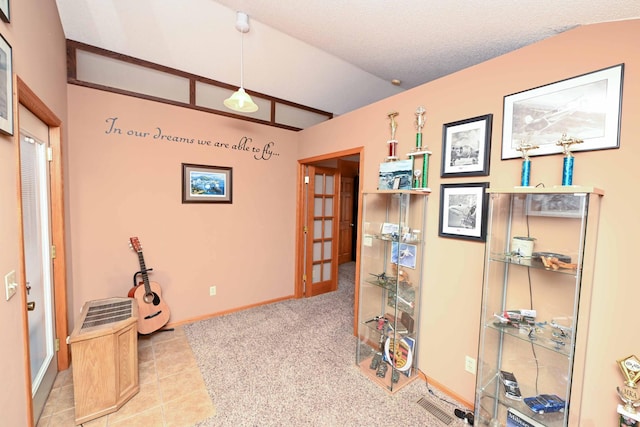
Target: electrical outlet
(470,364)
(212,291)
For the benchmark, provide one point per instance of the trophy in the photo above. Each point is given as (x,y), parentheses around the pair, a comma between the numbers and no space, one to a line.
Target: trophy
(526,163)
(567,168)
(393,142)
(417,182)
(630,367)
(419,125)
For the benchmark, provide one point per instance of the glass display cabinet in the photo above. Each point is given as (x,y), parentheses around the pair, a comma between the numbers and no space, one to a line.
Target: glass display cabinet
(536,299)
(390,280)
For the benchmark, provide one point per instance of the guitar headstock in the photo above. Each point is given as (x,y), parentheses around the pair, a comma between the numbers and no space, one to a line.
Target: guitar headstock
(134,243)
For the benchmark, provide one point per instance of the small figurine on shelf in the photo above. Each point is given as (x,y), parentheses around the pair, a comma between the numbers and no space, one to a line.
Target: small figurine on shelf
(393,142)
(567,165)
(525,147)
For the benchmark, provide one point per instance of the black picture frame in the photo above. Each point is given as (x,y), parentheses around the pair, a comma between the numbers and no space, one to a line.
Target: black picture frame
(4,11)
(6,87)
(586,107)
(206,184)
(463,211)
(466,147)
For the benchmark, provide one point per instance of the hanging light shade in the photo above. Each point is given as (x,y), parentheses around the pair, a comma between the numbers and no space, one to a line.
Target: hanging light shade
(240,100)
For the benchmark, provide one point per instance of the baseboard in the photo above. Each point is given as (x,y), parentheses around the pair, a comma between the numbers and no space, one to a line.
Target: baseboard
(222,313)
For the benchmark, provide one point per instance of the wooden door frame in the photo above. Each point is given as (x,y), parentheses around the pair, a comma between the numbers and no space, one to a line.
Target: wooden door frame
(27,98)
(300,222)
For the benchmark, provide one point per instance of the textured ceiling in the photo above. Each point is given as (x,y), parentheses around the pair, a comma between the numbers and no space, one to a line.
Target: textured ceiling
(335,55)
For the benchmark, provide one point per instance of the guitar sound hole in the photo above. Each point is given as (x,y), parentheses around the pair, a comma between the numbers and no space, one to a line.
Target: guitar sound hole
(151,297)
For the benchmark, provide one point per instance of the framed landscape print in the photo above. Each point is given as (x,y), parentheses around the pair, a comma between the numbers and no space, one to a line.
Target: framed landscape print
(586,107)
(206,184)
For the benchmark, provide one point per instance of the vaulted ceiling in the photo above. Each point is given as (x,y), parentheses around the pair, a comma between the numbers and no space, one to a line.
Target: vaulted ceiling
(334,55)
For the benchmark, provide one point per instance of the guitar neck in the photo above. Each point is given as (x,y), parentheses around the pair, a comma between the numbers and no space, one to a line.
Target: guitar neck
(145,275)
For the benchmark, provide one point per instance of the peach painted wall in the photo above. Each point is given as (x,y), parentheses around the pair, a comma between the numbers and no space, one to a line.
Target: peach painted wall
(453,269)
(129,184)
(37,42)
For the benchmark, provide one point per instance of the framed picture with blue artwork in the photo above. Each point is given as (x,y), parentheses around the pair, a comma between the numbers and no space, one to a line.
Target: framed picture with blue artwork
(206,184)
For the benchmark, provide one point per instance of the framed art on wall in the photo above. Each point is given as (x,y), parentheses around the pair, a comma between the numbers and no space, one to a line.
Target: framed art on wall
(4,11)
(585,107)
(206,184)
(6,87)
(463,211)
(466,147)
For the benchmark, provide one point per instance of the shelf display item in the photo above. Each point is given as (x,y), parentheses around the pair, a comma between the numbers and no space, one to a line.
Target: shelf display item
(390,283)
(536,299)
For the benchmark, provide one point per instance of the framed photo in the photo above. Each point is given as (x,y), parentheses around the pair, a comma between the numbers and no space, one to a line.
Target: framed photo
(404,254)
(206,184)
(466,147)
(586,107)
(463,211)
(556,205)
(6,87)
(395,175)
(4,10)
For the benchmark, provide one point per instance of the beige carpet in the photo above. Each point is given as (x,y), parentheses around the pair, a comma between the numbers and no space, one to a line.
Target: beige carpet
(293,364)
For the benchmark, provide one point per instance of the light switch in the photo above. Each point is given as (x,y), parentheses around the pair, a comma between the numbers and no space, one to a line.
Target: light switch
(10,284)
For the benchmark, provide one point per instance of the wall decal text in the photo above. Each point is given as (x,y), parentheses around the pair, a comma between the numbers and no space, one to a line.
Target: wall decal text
(245,144)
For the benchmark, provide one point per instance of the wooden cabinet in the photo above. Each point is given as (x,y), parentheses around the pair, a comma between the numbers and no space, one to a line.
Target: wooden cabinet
(104,352)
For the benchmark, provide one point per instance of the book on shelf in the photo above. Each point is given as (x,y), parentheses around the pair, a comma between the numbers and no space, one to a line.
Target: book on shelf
(516,418)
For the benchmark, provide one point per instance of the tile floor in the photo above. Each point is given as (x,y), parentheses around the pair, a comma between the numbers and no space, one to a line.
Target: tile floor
(172,392)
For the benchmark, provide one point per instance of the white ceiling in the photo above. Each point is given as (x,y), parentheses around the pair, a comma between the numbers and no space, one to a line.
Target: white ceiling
(334,55)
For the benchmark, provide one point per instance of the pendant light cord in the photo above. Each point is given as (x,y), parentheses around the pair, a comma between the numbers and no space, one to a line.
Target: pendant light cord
(242,60)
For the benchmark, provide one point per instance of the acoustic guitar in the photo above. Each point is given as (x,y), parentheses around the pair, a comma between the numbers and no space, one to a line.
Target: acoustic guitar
(153,312)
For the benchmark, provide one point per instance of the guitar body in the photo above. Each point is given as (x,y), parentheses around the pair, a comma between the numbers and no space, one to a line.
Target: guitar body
(153,311)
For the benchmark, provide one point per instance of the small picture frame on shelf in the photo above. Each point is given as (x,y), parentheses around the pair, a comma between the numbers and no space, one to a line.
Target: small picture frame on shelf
(556,205)
(395,175)
(463,211)
(466,147)
(404,254)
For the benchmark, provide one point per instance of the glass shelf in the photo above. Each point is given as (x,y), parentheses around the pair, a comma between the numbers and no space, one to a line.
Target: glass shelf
(544,351)
(390,283)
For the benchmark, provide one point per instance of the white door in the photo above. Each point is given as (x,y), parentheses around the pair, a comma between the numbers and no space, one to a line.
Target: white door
(34,172)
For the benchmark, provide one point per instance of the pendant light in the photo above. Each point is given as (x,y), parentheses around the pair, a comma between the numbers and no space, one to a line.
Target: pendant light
(240,100)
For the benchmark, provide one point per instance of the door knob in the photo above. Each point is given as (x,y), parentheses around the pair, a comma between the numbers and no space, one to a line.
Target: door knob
(31,305)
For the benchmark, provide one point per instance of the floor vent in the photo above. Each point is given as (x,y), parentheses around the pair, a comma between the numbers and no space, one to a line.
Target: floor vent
(435,410)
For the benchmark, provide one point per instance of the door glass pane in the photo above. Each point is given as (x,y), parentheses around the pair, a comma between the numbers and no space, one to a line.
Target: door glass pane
(315,273)
(35,229)
(317,252)
(319,184)
(329,183)
(328,228)
(328,206)
(317,229)
(327,249)
(326,270)
(317,206)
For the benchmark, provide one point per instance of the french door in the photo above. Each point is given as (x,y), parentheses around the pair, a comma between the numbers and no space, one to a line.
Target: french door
(321,250)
